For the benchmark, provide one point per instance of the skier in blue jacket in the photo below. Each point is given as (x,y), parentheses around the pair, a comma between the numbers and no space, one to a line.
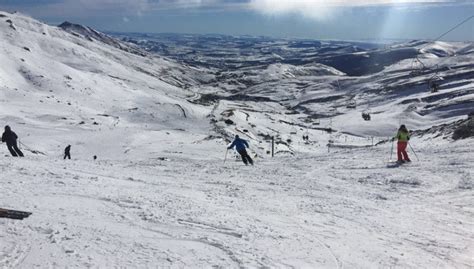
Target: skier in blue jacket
(241,145)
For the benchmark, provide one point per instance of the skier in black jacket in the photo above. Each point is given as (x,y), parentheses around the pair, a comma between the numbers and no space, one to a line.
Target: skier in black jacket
(67,152)
(10,138)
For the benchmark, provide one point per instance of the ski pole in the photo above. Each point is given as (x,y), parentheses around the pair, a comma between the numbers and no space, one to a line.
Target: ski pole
(20,145)
(225,158)
(414,152)
(24,146)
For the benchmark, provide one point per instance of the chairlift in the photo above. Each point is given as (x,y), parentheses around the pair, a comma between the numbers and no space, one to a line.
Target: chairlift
(306,136)
(366,116)
(433,83)
(434,87)
(366,113)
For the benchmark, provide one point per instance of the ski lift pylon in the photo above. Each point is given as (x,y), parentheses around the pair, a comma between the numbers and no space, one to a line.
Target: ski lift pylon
(417,67)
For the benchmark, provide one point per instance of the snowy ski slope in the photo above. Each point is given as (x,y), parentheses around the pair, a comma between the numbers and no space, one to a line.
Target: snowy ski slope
(160,194)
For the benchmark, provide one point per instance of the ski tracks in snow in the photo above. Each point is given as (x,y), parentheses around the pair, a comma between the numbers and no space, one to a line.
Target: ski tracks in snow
(340,210)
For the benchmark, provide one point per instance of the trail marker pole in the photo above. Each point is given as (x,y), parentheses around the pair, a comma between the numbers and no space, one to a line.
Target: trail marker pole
(273,146)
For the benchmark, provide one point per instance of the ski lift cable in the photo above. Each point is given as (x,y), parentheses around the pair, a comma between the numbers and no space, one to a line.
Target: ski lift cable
(452,29)
(449,31)
(435,76)
(438,38)
(417,59)
(443,35)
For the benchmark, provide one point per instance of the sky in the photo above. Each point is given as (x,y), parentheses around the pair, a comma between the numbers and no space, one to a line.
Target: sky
(312,19)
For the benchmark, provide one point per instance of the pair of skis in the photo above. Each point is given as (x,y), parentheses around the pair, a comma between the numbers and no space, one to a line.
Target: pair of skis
(395,164)
(391,164)
(13,214)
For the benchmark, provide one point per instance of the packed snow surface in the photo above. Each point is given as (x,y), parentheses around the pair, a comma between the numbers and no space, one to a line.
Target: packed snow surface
(343,209)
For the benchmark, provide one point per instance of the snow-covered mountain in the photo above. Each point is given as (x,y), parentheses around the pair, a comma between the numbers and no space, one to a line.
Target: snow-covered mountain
(79,77)
(77,83)
(332,82)
(159,110)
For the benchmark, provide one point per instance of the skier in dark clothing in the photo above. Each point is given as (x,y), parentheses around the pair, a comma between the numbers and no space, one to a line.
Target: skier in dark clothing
(67,152)
(10,138)
(241,145)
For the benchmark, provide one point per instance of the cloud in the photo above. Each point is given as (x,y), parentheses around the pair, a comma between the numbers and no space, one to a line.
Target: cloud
(314,9)
(111,5)
(85,9)
(75,8)
(194,4)
(324,9)
(129,7)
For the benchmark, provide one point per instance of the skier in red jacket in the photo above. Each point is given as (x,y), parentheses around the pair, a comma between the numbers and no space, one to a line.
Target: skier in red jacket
(403,136)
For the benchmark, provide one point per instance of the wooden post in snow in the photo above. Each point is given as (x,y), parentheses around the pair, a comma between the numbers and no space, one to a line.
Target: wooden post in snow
(273,146)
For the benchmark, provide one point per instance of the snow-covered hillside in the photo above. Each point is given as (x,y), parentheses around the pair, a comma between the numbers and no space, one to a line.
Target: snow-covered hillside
(330,83)
(160,193)
(59,88)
